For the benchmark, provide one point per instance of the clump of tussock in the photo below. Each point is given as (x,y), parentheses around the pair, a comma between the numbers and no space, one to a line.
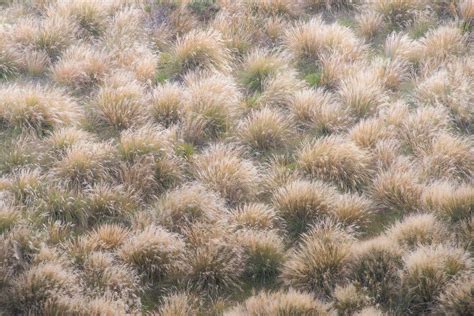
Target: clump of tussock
(317,263)
(397,189)
(214,261)
(272,7)
(188,204)
(457,298)
(301,203)
(317,110)
(147,140)
(155,252)
(80,67)
(418,229)
(280,303)
(279,90)
(140,60)
(362,94)
(62,139)
(258,67)
(308,40)
(84,164)
(196,50)
(211,106)
(221,168)
(23,184)
(422,126)
(9,61)
(398,13)
(349,299)
(264,252)
(89,15)
(180,303)
(49,36)
(120,102)
(449,157)
(374,265)
(40,285)
(56,203)
(166,105)
(369,132)
(265,130)
(36,108)
(352,210)
(401,46)
(427,270)
(443,42)
(256,216)
(368,23)
(337,160)
(107,237)
(449,87)
(448,200)
(9,217)
(110,203)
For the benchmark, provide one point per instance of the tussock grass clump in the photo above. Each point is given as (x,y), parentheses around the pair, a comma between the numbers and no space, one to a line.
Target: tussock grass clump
(397,189)
(264,252)
(317,110)
(9,216)
(427,271)
(120,102)
(399,12)
(89,15)
(188,204)
(214,261)
(258,67)
(166,106)
(39,285)
(362,94)
(374,266)
(301,203)
(368,23)
(9,61)
(257,216)
(349,299)
(422,126)
(318,261)
(110,203)
(60,140)
(290,302)
(449,200)
(449,157)
(336,160)
(307,40)
(50,35)
(80,67)
(197,50)
(418,229)
(457,298)
(212,105)
(442,42)
(108,237)
(265,129)
(155,252)
(36,108)
(143,141)
(84,164)
(352,210)
(178,304)
(273,7)
(222,169)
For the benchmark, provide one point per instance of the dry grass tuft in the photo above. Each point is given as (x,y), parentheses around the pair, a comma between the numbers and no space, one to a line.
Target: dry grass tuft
(317,262)
(336,160)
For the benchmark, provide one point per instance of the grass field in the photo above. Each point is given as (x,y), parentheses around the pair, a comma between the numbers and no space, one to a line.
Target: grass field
(236,157)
